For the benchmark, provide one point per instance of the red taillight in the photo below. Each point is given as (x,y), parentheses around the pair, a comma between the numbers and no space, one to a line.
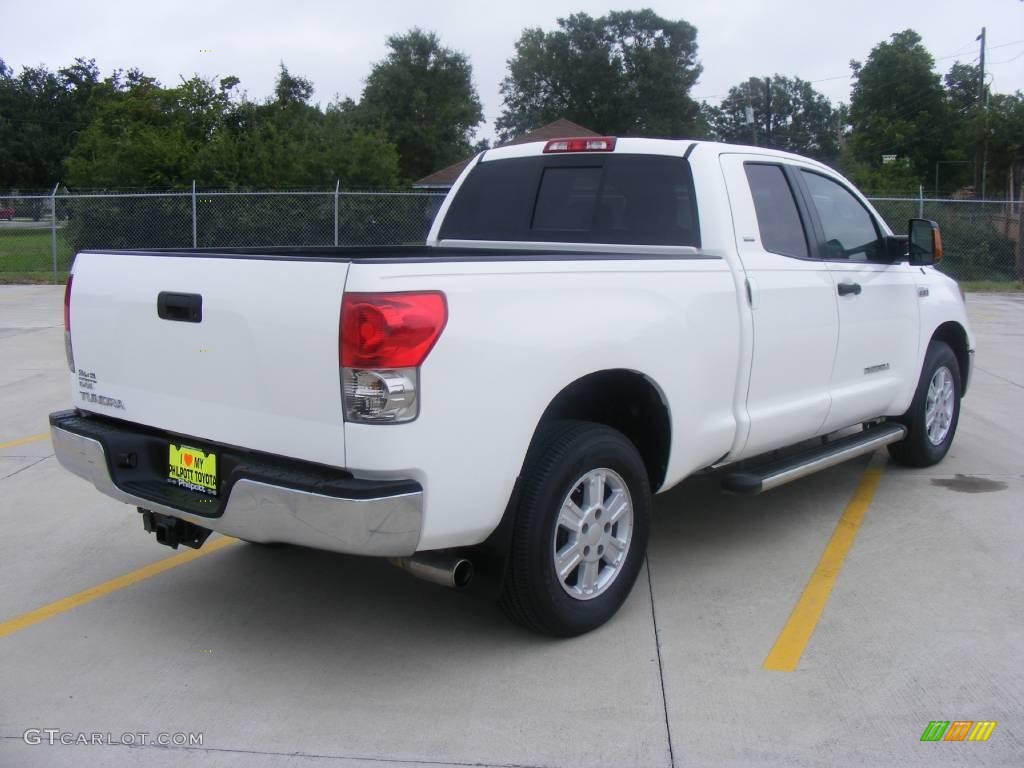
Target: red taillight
(67,304)
(390,330)
(595,144)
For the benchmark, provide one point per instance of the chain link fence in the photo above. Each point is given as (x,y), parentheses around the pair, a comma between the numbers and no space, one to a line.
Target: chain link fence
(982,240)
(39,234)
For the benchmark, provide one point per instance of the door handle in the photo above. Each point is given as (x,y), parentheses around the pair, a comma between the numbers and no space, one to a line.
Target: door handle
(848,288)
(181,307)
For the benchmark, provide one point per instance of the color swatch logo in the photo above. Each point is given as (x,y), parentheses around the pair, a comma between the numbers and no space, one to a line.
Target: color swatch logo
(958,730)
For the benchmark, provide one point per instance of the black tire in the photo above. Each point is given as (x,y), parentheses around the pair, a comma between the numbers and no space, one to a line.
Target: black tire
(561,454)
(916,449)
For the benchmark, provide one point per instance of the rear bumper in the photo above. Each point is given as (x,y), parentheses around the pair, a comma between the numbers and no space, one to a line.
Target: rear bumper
(262,500)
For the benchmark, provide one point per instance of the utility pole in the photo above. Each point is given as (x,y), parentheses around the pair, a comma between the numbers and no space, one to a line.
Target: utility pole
(768,108)
(748,112)
(981,58)
(748,119)
(979,154)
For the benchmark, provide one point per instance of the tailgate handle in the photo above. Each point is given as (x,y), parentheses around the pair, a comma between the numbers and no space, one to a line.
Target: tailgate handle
(181,307)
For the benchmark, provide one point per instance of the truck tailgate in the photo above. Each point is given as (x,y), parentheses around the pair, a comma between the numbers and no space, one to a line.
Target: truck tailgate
(259,370)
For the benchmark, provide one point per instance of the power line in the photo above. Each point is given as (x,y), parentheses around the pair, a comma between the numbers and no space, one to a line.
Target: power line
(965,48)
(1006,45)
(1006,61)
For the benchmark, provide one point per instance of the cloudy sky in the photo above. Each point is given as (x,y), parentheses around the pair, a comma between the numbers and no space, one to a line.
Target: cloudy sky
(335,43)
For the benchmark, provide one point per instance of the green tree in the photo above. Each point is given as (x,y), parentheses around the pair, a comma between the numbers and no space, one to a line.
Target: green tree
(1004,120)
(628,73)
(422,97)
(290,89)
(145,135)
(898,105)
(286,142)
(41,115)
(962,87)
(895,178)
(136,138)
(356,156)
(802,119)
(963,123)
(277,144)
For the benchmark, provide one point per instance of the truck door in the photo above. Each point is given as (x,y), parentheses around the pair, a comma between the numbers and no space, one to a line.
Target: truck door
(878,305)
(793,304)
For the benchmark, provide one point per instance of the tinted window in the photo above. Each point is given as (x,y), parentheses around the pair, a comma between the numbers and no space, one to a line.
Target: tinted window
(642,199)
(777,216)
(493,202)
(566,199)
(850,232)
(649,200)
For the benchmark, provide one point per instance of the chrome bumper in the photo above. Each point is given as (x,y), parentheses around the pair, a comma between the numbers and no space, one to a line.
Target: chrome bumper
(384,527)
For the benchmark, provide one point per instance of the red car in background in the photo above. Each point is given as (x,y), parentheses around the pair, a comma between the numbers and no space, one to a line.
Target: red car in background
(6,213)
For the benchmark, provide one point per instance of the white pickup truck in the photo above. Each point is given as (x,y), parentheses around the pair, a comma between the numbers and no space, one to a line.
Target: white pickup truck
(590,322)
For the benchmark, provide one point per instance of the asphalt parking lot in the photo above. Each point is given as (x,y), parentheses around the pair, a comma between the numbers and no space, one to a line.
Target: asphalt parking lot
(291,657)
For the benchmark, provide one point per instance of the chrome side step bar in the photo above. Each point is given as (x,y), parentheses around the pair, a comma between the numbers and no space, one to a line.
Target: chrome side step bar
(757,479)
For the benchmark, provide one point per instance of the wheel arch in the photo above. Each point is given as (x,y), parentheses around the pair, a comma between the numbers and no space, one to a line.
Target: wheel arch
(955,335)
(622,399)
(627,401)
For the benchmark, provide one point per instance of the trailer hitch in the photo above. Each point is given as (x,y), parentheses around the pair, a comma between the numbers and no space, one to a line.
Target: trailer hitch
(171,531)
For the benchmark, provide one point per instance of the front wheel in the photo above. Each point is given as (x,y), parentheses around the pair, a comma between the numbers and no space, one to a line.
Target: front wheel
(933,415)
(581,529)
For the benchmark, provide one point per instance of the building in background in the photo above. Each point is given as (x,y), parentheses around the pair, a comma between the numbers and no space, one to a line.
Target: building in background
(443,179)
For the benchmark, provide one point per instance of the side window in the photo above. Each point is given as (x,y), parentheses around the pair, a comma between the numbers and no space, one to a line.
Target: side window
(777,214)
(850,232)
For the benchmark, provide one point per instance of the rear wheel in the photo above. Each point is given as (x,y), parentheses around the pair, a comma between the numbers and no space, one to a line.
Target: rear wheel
(934,413)
(581,529)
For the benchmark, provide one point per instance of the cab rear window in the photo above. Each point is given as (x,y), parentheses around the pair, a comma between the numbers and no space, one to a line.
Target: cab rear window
(638,199)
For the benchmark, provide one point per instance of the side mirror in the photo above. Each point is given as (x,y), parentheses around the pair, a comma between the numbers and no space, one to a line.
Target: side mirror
(925,242)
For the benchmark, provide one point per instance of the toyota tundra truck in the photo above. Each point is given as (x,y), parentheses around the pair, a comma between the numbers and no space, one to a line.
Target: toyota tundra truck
(590,322)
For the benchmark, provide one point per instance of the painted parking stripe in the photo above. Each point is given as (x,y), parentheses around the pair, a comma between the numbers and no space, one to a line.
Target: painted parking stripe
(789,647)
(26,620)
(25,440)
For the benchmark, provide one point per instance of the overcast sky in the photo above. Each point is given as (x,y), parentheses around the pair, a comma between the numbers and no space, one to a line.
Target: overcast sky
(335,43)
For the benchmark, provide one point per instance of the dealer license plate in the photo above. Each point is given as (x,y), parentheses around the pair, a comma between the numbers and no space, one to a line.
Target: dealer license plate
(193,469)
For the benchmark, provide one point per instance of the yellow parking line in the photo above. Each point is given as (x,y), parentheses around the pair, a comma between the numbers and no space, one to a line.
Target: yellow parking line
(25,440)
(26,620)
(789,647)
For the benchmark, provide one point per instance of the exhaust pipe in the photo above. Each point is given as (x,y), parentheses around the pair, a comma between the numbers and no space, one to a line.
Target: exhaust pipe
(442,568)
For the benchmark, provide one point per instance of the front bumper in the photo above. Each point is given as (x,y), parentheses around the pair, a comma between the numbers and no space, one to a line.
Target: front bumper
(263,498)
